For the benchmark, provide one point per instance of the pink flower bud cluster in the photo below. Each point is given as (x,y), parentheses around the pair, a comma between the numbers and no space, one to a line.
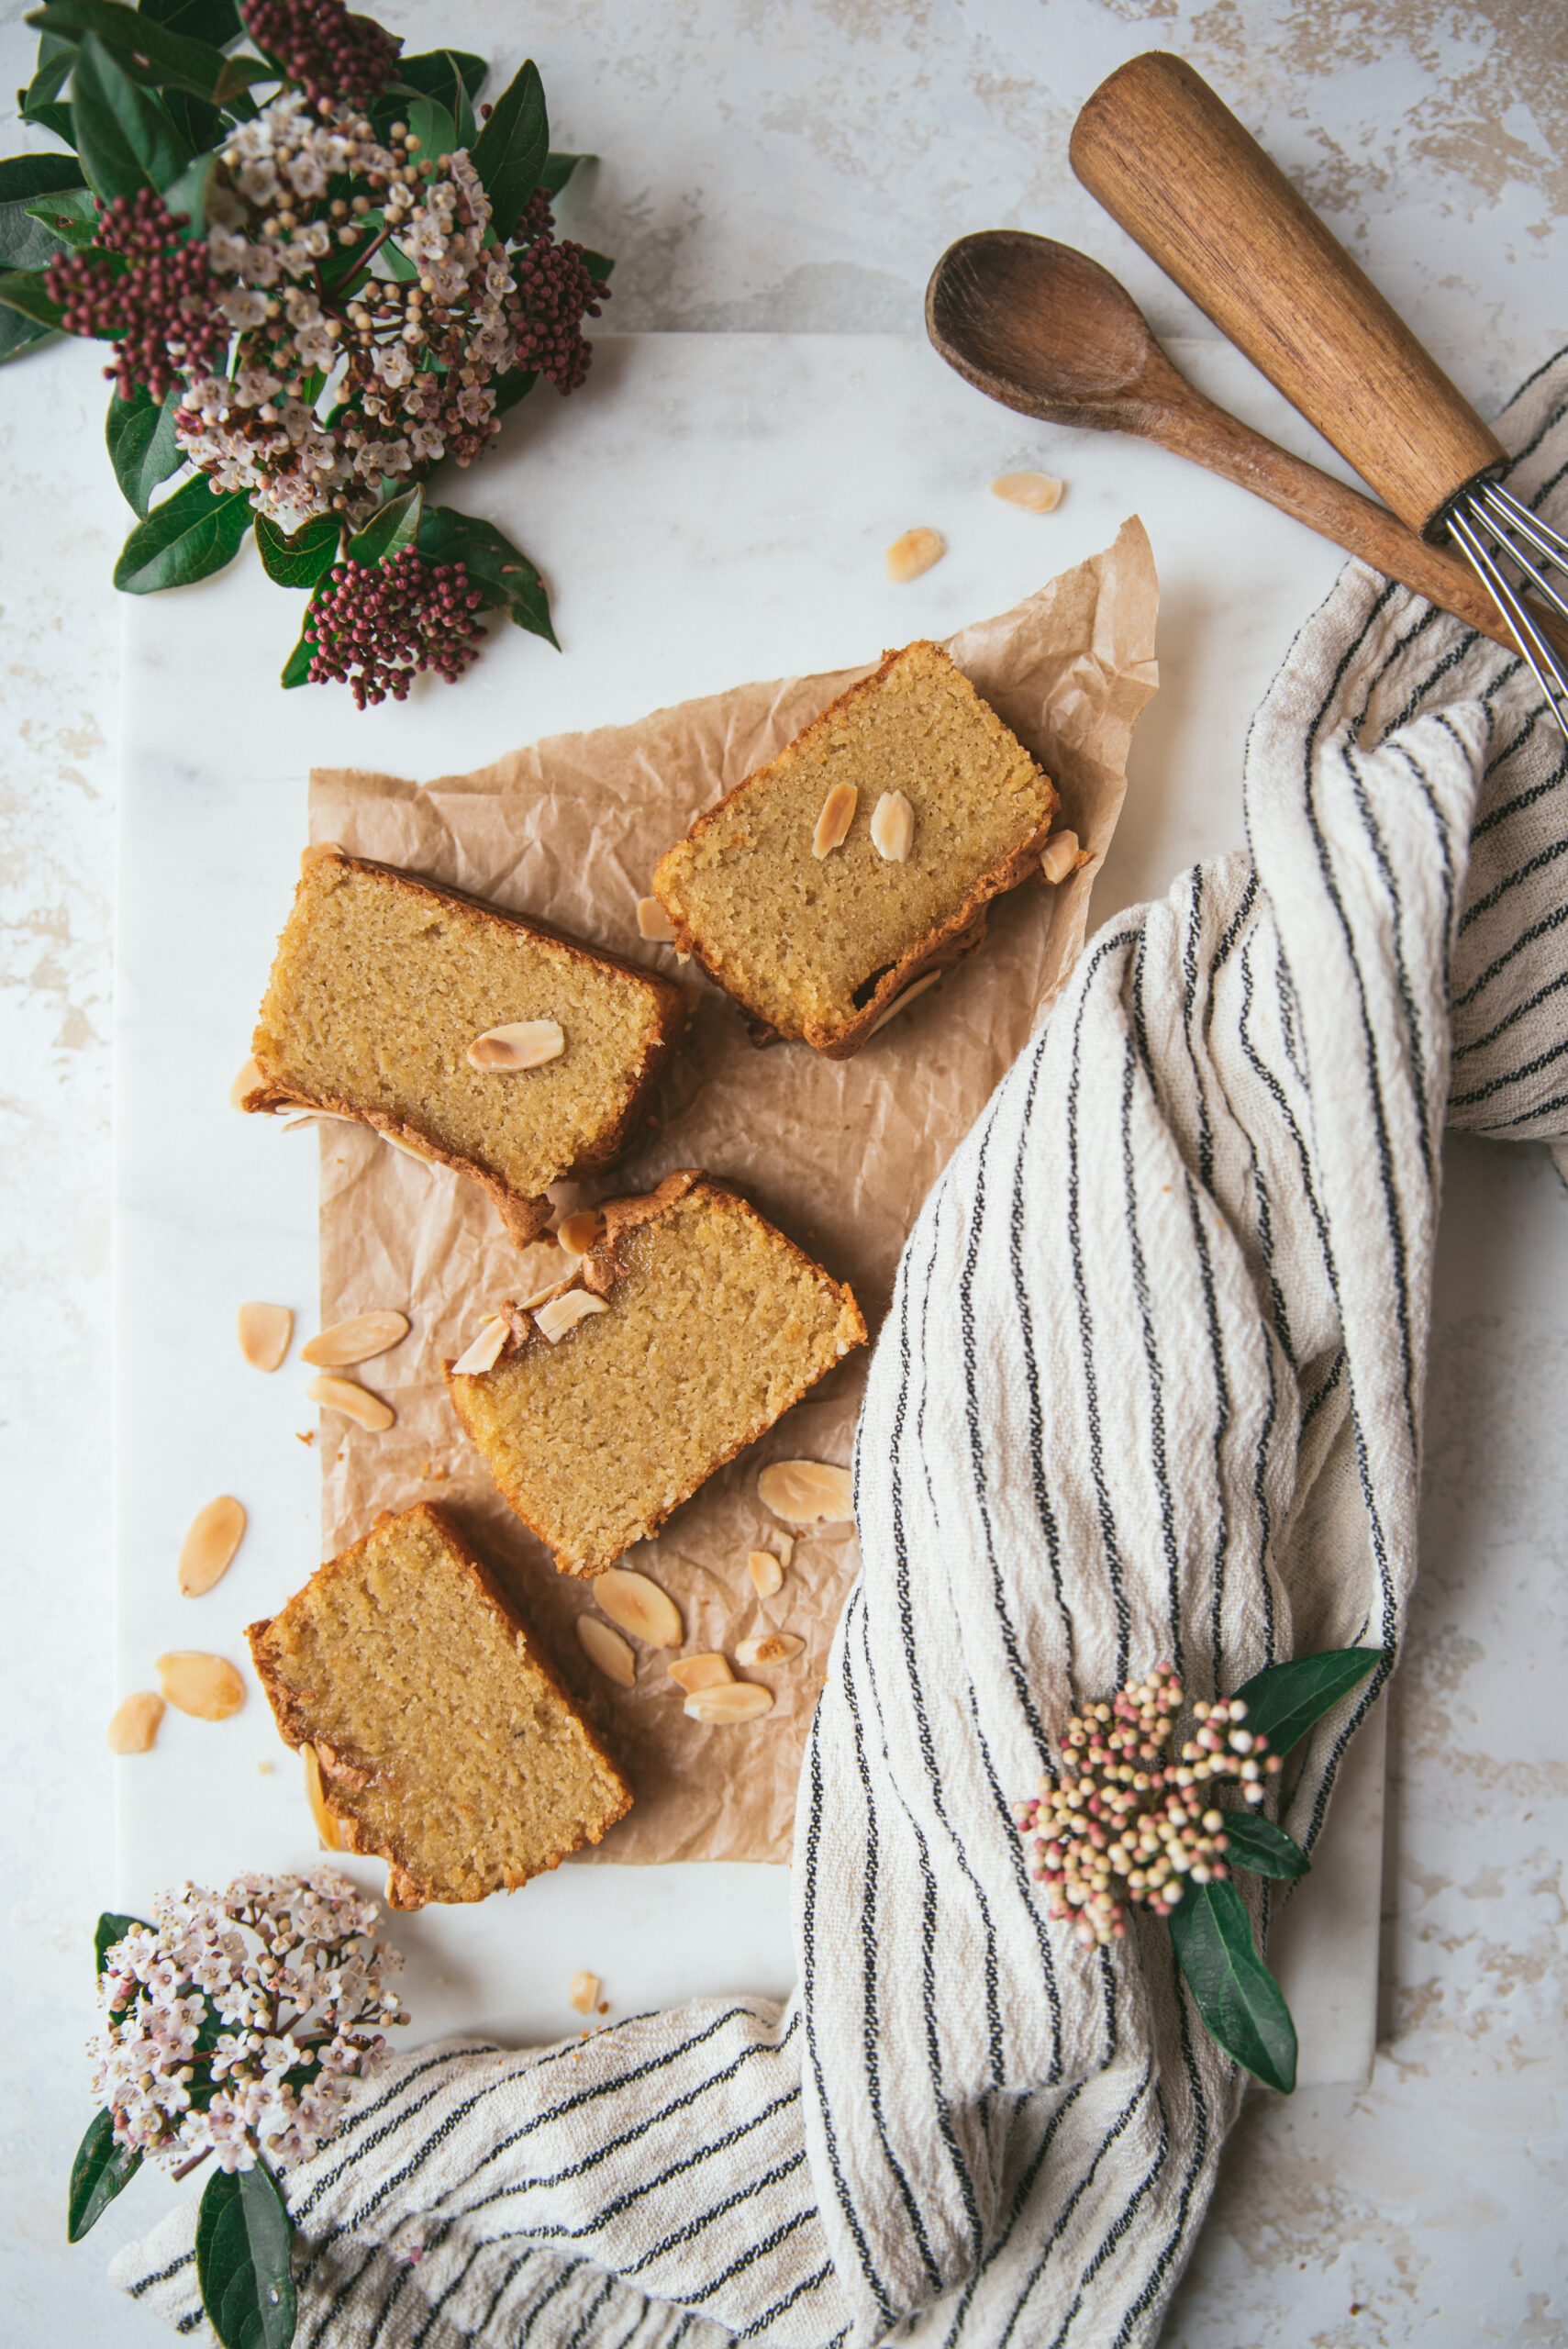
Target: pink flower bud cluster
(557,294)
(1127,1822)
(239,2020)
(379,624)
(140,285)
(319,45)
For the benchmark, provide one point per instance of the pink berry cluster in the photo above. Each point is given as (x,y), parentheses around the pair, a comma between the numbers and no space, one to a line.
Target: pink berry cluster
(556,293)
(140,285)
(1124,1821)
(379,624)
(319,45)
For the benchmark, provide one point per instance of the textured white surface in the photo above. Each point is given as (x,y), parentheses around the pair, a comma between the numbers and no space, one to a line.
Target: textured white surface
(800,167)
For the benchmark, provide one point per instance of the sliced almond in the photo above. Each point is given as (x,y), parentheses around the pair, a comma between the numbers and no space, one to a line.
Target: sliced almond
(1059,857)
(580,1231)
(522,1043)
(835,815)
(355,1402)
(640,1607)
(695,1672)
(770,1647)
(563,1313)
(209,1549)
(901,1003)
(329,1827)
(914,552)
(134,1725)
(606,1651)
(766,1572)
(250,1080)
(264,1334)
(653,922)
(583,1994)
(205,1687)
(893,828)
(807,1492)
(743,1700)
(356,1340)
(786,1548)
(291,1115)
(1037,493)
(484,1352)
(401,1141)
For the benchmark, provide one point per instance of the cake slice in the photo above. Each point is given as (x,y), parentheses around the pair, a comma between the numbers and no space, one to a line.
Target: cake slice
(382,982)
(680,1339)
(444,1741)
(808,894)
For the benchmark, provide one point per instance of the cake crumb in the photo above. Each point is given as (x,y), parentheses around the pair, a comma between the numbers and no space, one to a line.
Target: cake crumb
(309,1437)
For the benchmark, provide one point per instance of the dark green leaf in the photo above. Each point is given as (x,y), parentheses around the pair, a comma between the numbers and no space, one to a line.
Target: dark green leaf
(302,561)
(141,435)
(101,2170)
(148,50)
(393,528)
(25,175)
(57,117)
(217,21)
(1284,1701)
(506,576)
(19,334)
(511,150)
(189,536)
(1236,1995)
(1259,1845)
(514,385)
(188,195)
(598,265)
(431,123)
(558,170)
(201,125)
(242,2260)
(429,71)
(26,241)
(22,289)
(124,137)
(49,79)
(71,218)
(296,668)
(112,1927)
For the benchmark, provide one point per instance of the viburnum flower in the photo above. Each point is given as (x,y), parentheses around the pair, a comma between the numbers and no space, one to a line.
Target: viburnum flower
(379,624)
(319,45)
(556,293)
(1125,1822)
(142,285)
(235,2024)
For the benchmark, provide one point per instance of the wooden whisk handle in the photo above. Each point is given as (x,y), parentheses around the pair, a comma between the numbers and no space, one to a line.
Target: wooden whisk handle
(1170,162)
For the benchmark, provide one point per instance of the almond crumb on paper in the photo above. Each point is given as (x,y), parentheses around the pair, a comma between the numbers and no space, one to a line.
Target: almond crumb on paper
(915,551)
(584,1993)
(1036,492)
(308,1436)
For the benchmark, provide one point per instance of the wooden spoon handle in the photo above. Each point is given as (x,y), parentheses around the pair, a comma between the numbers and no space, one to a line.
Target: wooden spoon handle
(1171,163)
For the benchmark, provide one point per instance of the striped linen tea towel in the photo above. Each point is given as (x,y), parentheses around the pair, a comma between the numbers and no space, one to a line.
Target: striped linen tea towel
(1151,1385)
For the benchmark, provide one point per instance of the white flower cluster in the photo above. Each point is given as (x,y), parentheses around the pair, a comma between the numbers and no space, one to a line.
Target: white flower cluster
(239,2020)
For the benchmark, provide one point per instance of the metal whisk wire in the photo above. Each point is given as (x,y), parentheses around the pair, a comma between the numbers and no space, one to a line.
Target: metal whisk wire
(1490,523)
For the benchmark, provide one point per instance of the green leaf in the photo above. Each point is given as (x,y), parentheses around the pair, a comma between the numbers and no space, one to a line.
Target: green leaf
(511,150)
(598,265)
(141,435)
(71,218)
(432,126)
(389,530)
(56,117)
(217,21)
(188,195)
(124,137)
(506,576)
(296,668)
(147,51)
(242,2260)
(112,1927)
(1236,1995)
(302,561)
(25,175)
(201,125)
(1257,1845)
(558,170)
(190,535)
(49,80)
(514,385)
(431,70)
(1284,1701)
(22,289)
(19,334)
(101,2170)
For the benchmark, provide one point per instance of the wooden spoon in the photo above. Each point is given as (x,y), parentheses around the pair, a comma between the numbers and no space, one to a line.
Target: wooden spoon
(1048,332)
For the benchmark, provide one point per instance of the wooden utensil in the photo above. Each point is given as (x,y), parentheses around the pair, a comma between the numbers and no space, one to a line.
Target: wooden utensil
(1046,330)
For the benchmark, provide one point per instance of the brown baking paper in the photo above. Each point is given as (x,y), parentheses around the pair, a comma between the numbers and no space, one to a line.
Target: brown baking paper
(839,1154)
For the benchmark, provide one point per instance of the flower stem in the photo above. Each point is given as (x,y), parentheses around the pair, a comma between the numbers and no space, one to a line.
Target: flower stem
(194,2163)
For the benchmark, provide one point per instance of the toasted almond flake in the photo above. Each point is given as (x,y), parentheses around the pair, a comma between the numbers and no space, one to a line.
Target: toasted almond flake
(914,552)
(264,1334)
(765,1571)
(786,1548)
(606,1651)
(134,1725)
(484,1352)
(580,1231)
(356,1340)
(250,1080)
(769,1647)
(695,1672)
(835,815)
(291,1115)
(584,1993)
(316,853)
(807,1492)
(523,1043)
(653,922)
(1037,493)
(400,1141)
(640,1607)
(902,1003)
(893,828)
(329,1827)
(742,1701)
(209,1549)
(355,1402)
(563,1313)
(205,1687)
(1059,857)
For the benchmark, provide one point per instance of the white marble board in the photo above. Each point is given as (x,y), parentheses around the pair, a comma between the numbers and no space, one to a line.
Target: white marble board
(712,508)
